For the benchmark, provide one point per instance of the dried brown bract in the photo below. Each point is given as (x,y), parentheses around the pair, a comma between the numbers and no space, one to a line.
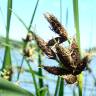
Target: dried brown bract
(75,51)
(53,41)
(56,26)
(64,56)
(82,65)
(46,49)
(56,70)
(75,54)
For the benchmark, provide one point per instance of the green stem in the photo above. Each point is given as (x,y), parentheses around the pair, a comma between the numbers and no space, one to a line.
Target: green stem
(76,23)
(57,84)
(20,68)
(61,89)
(34,80)
(40,70)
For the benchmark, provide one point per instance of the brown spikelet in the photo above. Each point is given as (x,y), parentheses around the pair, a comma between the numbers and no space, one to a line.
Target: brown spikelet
(64,56)
(56,25)
(70,79)
(28,51)
(82,65)
(75,53)
(43,46)
(56,70)
(55,40)
(75,50)
(29,37)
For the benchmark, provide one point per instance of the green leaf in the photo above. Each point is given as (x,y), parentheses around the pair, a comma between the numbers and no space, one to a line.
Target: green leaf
(9,89)
(7,57)
(9,6)
(43,91)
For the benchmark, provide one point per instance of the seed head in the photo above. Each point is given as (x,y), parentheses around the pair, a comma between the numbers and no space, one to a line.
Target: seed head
(46,49)
(55,40)
(29,37)
(56,25)
(70,79)
(75,53)
(56,70)
(82,65)
(64,56)
(28,52)
(7,73)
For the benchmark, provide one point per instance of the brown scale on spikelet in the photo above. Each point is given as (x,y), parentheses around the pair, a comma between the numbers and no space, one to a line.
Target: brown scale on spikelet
(82,65)
(28,51)
(55,40)
(56,70)
(64,56)
(79,64)
(43,46)
(75,54)
(56,26)
(70,79)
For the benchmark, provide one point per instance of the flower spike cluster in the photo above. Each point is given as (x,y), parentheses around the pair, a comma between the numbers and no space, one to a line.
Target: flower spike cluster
(71,62)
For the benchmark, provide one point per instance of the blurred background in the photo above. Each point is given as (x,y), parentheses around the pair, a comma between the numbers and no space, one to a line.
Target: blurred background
(12,31)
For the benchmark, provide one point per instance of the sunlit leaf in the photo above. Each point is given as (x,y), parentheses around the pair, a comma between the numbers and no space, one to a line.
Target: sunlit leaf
(9,89)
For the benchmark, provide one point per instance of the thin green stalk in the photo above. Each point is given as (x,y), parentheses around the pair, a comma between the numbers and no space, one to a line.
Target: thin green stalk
(57,86)
(28,29)
(7,57)
(19,19)
(40,70)
(18,75)
(34,80)
(9,6)
(33,15)
(76,23)
(61,90)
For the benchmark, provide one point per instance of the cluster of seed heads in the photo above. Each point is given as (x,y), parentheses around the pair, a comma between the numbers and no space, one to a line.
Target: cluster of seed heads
(71,62)
(28,50)
(6,74)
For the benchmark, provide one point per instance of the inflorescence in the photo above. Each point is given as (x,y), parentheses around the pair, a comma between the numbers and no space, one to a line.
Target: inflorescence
(71,63)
